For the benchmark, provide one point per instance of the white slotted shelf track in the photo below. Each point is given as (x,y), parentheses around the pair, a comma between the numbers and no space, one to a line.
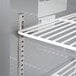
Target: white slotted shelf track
(61,32)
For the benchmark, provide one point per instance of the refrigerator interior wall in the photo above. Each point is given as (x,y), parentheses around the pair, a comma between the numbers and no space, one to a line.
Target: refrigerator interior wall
(4,37)
(39,8)
(18,6)
(49,7)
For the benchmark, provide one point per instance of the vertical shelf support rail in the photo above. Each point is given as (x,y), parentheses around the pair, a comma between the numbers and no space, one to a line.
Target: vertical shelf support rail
(21,47)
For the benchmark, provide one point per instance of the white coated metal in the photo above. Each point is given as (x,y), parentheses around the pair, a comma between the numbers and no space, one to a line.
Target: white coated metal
(69,39)
(21,47)
(69,17)
(60,32)
(47,28)
(73,63)
(73,44)
(62,28)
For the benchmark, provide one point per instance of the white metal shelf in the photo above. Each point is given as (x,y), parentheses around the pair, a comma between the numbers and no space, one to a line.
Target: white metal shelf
(68,70)
(71,17)
(61,32)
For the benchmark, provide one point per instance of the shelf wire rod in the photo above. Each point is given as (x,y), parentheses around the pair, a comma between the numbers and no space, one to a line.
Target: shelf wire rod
(69,16)
(56,74)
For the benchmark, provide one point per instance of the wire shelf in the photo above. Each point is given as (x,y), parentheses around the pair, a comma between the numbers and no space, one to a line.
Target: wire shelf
(61,32)
(68,70)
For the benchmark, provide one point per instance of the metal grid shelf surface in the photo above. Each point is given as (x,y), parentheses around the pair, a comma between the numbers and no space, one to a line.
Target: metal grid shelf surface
(61,32)
(68,70)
